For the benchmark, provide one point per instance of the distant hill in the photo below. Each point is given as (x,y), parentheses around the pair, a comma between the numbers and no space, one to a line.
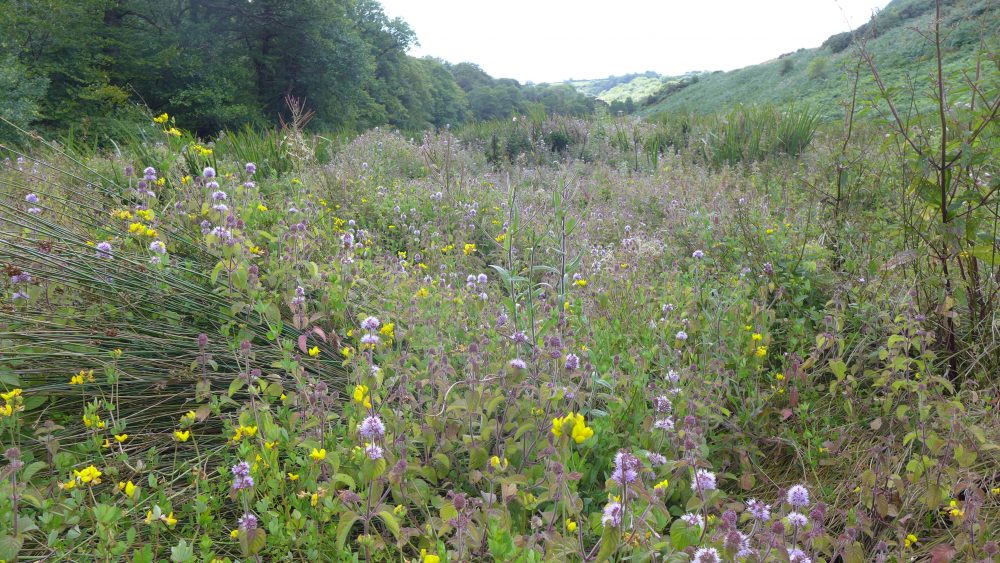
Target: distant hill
(817,76)
(638,86)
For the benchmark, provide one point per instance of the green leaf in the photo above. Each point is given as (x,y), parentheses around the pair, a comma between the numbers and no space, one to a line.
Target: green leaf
(252,541)
(144,555)
(929,193)
(683,535)
(347,521)
(9,547)
(610,540)
(32,468)
(839,369)
(390,522)
(182,552)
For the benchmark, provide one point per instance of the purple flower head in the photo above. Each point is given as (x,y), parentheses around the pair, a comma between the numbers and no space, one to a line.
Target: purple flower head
(34,210)
(208,172)
(219,195)
(572,361)
(796,555)
(371,323)
(673,376)
(706,555)
(704,480)
(31,198)
(251,168)
(247,522)
(213,185)
(371,339)
(760,511)
(664,424)
(681,335)
(698,254)
(241,476)
(612,515)
(482,278)
(158,247)
(626,468)
(520,337)
(104,249)
(374,452)
(798,496)
(663,404)
(797,519)
(518,363)
(371,428)
(656,460)
(149,174)
(693,519)
(221,207)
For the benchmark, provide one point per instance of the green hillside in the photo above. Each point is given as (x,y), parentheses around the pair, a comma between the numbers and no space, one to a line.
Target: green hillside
(638,86)
(818,76)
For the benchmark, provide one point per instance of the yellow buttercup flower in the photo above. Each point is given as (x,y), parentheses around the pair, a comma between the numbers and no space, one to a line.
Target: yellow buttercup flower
(127,488)
(261,207)
(571,525)
(779,376)
(318,454)
(575,424)
(428,558)
(89,475)
(68,485)
(235,533)
(580,282)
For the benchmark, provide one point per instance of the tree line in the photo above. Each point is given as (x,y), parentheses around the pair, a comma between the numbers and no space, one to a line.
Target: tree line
(222,64)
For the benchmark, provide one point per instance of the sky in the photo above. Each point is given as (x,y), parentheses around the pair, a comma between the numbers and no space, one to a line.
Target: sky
(556,40)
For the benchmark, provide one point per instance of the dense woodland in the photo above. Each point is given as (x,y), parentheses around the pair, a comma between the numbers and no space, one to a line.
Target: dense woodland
(216,64)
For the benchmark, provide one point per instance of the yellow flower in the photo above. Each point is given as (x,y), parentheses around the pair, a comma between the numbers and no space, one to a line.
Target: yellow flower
(769,231)
(388,330)
(347,351)
(314,499)
(314,351)
(162,118)
(89,475)
(185,180)
(571,525)
(182,436)
(662,484)
(580,283)
(173,132)
(318,455)
(501,237)
(577,426)
(249,431)
(428,558)
(68,485)
(188,417)
(127,488)
(76,380)
(170,520)
(362,396)
(106,444)
(756,337)
(235,533)
(422,292)
(779,376)
(399,510)
(293,476)
(121,438)
(447,248)
(498,464)
(146,214)
(469,248)
(761,351)
(909,540)
(261,207)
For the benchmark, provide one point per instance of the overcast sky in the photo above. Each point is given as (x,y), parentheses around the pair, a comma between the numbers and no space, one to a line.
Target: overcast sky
(554,40)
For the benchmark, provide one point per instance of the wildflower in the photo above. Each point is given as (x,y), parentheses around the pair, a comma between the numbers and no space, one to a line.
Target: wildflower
(371,323)
(681,335)
(261,207)
(121,438)
(664,424)
(796,555)
(76,379)
(251,168)
(293,476)
(612,514)
(162,118)
(692,519)
(656,459)
(759,510)
(662,484)
(241,476)
(89,476)
(68,485)
(756,337)
(208,172)
(909,540)
(428,558)
(235,533)
(158,247)
(314,351)
(361,396)
(318,454)
(571,525)
(797,519)
(469,248)
(372,428)
(518,363)
(399,510)
(761,351)
(706,555)
(127,488)
(626,468)
(698,254)
(31,198)
(779,376)
(704,480)
(374,452)
(798,496)
(580,282)
(954,510)
(497,464)
(182,436)
(572,361)
(104,249)
(169,519)
(219,195)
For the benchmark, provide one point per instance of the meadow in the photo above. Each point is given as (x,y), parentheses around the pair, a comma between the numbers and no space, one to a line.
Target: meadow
(758,335)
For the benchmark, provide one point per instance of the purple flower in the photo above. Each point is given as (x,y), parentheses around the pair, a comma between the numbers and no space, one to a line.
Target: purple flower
(704,480)
(572,361)
(797,519)
(251,168)
(796,555)
(219,195)
(681,335)
(208,172)
(706,555)
(19,295)
(374,452)
(656,459)
(518,363)
(220,207)
(626,468)
(673,376)
(371,339)
(798,496)
(698,254)
(34,210)
(693,519)
(371,323)
(482,278)
(664,424)
(663,404)
(520,337)
(247,522)
(241,476)
(612,515)
(158,247)
(759,510)
(149,173)
(213,185)
(104,249)
(371,428)
(31,198)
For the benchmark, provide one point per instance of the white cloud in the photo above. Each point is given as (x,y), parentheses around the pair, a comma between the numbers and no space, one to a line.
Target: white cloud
(552,40)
